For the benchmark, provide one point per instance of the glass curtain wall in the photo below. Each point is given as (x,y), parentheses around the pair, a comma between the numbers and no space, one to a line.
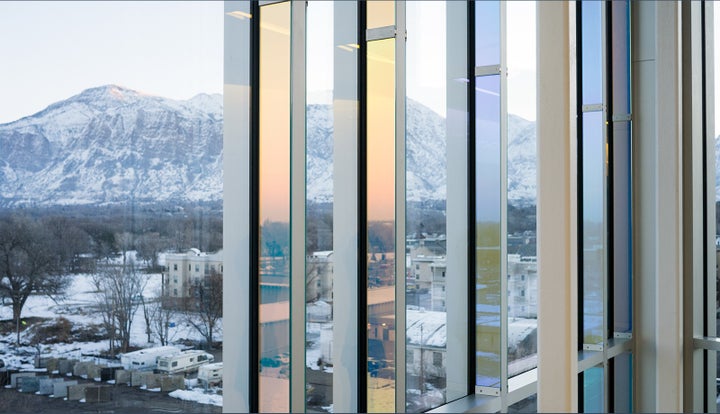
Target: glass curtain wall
(274,207)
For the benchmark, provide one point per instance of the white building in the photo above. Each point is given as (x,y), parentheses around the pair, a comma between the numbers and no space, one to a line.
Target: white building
(182,270)
(522,286)
(319,277)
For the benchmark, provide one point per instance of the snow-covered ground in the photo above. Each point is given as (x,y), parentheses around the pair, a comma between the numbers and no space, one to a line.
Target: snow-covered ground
(78,307)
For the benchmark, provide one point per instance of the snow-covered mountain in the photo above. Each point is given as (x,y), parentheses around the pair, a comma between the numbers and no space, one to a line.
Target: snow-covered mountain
(522,158)
(111,144)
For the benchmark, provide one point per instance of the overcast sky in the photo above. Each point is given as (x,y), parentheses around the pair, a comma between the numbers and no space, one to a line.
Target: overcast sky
(53,50)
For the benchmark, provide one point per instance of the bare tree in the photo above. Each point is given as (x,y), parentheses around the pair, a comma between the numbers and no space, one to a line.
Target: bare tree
(29,264)
(120,291)
(207,301)
(160,319)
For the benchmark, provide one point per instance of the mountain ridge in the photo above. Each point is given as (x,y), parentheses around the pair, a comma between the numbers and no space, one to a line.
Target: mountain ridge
(109,144)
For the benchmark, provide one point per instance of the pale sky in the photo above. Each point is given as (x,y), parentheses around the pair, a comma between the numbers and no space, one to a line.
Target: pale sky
(53,50)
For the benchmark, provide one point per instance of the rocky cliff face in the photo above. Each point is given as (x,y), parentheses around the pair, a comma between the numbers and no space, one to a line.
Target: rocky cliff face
(111,144)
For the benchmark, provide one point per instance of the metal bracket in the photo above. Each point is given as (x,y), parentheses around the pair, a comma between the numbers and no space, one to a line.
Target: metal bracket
(622,118)
(269,2)
(495,392)
(593,107)
(488,70)
(380,33)
(593,347)
(623,335)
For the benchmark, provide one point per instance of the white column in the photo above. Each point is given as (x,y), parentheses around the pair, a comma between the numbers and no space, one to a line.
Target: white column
(557,208)
(709,140)
(236,205)
(657,172)
(668,333)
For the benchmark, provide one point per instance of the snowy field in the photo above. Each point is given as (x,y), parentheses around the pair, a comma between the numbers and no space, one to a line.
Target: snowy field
(78,306)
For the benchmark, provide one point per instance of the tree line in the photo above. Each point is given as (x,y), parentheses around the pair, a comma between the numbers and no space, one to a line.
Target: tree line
(39,250)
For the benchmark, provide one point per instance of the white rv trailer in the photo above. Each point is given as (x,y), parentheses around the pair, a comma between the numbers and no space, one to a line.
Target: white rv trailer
(185,361)
(146,359)
(210,374)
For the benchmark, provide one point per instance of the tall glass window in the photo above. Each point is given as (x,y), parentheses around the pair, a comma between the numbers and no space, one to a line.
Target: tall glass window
(436,125)
(593,161)
(319,271)
(522,276)
(488,187)
(381,247)
(274,206)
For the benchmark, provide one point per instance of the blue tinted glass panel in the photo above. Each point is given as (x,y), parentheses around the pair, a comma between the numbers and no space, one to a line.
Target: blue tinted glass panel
(592,79)
(593,401)
(621,168)
(593,193)
(621,56)
(487,230)
(622,294)
(487,33)
(622,383)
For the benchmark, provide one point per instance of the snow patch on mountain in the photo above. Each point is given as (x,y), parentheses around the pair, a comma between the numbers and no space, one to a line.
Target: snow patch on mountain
(112,144)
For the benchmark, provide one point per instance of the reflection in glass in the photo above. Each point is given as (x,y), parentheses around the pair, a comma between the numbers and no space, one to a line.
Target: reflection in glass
(593,230)
(426,186)
(487,33)
(487,230)
(319,206)
(593,394)
(381,225)
(380,13)
(522,273)
(592,54)
(274,203)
